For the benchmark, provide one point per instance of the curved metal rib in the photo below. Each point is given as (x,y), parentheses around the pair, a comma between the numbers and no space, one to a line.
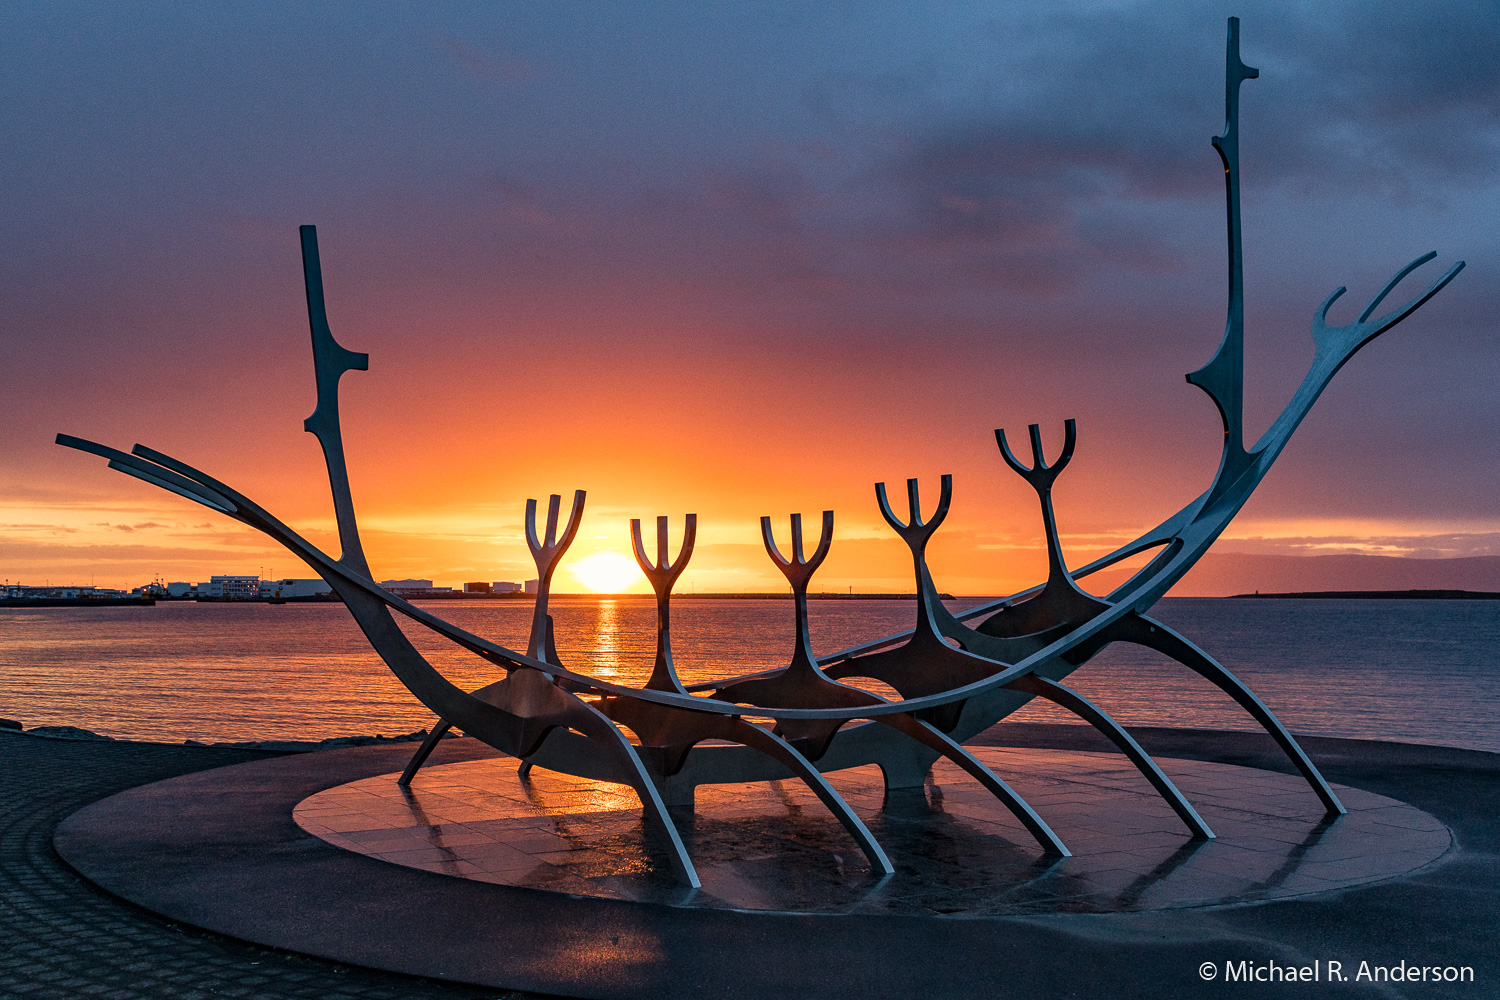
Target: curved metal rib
(778,749)
(932,737)
(1096,716)
(653,809)
(805,683)
(1149,632)
(424,751)
(516,714)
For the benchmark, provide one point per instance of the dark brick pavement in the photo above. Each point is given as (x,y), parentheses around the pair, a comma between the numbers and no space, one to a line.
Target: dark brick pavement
(60,937)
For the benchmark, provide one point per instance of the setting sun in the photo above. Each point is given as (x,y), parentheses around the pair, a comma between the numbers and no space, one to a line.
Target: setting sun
(605,572)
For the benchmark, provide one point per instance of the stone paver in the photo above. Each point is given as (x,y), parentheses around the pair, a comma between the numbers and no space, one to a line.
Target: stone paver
(62,938)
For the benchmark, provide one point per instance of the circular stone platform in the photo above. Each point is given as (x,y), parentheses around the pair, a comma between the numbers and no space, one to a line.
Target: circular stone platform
(957,850)
(220,850)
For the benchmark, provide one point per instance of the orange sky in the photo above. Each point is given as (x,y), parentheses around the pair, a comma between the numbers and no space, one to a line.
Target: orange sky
(737,280)
(441,488)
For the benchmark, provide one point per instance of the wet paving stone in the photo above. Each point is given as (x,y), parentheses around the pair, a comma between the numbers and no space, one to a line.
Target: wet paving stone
(957,851)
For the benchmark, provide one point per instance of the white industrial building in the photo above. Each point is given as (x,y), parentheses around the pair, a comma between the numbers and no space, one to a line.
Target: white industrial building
(315,587)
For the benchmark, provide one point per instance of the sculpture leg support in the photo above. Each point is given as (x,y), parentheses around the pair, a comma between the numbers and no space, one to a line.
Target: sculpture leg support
(1096,717)
(653,809)
(1153,634)
(779,749)
(424,751)
(934,738)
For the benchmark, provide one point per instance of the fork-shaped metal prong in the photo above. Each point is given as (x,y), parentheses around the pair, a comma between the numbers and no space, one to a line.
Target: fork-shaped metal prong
(1334,346)
(1041,476)
(915,532)
(1352,336)
(798,571)
(547,553)
(662,575)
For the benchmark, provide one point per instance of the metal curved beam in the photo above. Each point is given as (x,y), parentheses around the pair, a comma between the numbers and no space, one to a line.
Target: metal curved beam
(424,751)
(544,706)
(1096,717)
(1152,634)
(518,712)
(780,750)
(932,737)
(199,486)
(653,808)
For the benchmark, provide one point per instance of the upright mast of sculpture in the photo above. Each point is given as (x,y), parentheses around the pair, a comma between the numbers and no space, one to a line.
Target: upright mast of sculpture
(1223,378)
(547,552)
(662,575)
(330,362)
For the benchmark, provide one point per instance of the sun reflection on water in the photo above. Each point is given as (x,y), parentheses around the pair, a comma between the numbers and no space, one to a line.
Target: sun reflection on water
(607,639)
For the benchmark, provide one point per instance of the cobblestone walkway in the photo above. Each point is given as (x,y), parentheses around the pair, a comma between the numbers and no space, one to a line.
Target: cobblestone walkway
(62,938)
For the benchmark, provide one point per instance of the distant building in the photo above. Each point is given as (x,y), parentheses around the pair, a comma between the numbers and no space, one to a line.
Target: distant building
(415,588)
(232,588)
(178,588)
(69,592)
(505,587)
(476,588)
(294,588)
(531,586)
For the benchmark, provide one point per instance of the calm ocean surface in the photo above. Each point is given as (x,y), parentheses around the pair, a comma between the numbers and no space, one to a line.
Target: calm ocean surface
(1417,671)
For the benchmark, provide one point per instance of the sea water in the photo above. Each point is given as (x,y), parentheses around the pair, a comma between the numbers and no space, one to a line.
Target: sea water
(1416,671)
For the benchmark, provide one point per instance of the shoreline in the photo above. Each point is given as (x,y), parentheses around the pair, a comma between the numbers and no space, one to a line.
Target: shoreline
(1374,595)
(459,596)
(78,734)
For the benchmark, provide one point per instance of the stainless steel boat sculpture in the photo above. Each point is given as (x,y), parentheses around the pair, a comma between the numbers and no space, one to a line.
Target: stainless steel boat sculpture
(957,675)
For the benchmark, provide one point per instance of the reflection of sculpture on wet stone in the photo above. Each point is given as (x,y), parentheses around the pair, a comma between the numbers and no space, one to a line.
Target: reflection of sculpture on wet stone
(955,675)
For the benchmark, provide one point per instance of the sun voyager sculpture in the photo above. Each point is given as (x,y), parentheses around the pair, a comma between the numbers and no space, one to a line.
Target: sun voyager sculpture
(956,675)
